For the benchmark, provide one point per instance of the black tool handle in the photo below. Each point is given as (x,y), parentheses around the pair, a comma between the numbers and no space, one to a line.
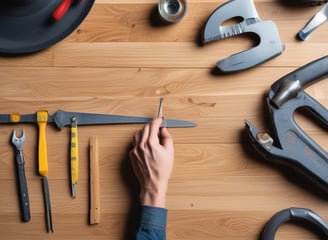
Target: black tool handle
(47,204)
(309,73)
(22,185)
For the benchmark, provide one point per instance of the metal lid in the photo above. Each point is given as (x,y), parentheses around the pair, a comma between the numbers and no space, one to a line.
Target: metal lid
(172,10)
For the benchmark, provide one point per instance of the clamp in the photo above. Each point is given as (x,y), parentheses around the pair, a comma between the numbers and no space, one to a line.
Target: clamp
(290,145)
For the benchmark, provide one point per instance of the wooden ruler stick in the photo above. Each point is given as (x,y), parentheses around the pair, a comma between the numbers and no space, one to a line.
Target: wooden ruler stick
(94,182)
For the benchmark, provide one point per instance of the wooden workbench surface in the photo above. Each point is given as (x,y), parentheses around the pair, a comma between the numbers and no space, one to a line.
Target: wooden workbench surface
(120,61)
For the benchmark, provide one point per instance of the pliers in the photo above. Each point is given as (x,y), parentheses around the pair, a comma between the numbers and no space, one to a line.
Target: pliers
(289,144)
(22,183)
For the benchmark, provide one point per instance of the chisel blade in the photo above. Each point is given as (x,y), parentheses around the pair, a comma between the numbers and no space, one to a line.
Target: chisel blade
(62,119)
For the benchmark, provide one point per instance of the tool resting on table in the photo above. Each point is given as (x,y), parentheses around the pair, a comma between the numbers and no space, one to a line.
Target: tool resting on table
(268,46)
(42,119)
(289,145)
(74,156)
(94,182)
(73,119)
(304,216)
(18,143)
(318,19)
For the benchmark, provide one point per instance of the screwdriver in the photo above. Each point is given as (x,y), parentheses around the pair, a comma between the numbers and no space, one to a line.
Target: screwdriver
(160,108)
(74,156)
(318,19)
(160,111)
(42,119)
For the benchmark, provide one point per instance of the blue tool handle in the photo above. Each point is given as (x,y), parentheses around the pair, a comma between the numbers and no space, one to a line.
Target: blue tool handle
(22,185)
(309,73)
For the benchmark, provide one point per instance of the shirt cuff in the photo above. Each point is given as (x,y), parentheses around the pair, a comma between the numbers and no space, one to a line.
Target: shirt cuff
(153,217)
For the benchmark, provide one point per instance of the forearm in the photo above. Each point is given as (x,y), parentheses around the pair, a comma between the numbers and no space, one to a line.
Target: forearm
(152,224)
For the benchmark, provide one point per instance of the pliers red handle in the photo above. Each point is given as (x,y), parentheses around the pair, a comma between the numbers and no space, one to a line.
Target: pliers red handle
(61,9)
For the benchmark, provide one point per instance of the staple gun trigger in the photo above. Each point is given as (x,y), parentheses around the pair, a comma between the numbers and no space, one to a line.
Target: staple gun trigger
(289,145)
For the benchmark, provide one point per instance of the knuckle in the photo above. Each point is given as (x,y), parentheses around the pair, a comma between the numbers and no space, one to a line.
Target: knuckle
(141,147)
(150,143)
(133,152)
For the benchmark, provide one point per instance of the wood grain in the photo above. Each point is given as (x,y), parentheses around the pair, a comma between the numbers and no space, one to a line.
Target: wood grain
(120,60)
(94,182)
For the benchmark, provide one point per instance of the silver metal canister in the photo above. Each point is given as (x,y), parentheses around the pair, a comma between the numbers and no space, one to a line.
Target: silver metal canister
(172,10)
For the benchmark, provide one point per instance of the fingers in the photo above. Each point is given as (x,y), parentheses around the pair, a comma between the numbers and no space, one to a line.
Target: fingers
(135,143)
(144,136)
(166,138)
(141,136)
(136,138)
(140,141)
(135,155)
(151,133)
(155,129)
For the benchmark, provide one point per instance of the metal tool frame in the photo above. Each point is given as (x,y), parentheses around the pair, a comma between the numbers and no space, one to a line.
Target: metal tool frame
(268,47)
(289,145)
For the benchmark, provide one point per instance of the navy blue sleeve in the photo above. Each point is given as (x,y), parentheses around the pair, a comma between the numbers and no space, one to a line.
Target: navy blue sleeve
(152,224)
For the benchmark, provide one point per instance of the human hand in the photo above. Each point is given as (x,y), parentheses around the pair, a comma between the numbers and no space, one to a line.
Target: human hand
(152,158)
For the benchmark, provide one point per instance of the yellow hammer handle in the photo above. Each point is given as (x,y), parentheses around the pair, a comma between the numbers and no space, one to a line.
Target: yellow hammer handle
(42,119)
(74,152)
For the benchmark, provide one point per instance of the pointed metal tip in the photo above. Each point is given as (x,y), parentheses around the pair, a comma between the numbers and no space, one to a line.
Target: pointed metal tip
(50,229)
(192,124)
(169,123)
(160,107)
(303,35)
(74,190)
(47,204)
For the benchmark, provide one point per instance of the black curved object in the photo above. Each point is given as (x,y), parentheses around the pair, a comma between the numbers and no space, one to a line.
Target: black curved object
(26,25)
(293,214)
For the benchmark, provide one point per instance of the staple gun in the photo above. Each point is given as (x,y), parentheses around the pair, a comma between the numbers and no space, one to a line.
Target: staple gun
(289,145)
(268,46)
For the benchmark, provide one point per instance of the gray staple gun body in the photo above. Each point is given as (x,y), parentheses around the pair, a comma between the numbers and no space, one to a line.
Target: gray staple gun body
(290,145)
(269,45)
